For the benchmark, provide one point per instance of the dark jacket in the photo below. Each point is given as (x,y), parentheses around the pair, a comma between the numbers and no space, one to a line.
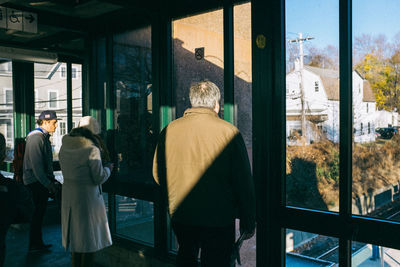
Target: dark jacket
(38,159)
(202,162)
(16,204)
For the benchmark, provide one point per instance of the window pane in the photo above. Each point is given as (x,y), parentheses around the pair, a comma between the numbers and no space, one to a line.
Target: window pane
(62,127)
(9,96)
(368,255)
(308,249)
(376,61)
(51,93)
(198,55)
(135,219)
(133,81)
(312,104)
(105,198)
(63,73)
(243,100)
(76,94)
(52,99)
(6,107)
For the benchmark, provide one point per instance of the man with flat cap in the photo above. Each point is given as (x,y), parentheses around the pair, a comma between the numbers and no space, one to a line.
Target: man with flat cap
(38,174)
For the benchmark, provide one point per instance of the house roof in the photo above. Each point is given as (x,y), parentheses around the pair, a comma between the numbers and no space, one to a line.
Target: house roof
(331,86)
(323,72)
(368,95)
(330,80)
(46,70)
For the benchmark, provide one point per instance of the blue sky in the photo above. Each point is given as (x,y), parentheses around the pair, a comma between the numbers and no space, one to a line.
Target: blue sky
(320,19)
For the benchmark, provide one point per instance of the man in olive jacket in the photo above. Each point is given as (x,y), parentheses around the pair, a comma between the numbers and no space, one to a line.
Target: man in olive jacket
(202,166)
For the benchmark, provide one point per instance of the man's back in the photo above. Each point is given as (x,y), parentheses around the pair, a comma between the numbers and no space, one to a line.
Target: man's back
(207,169)
(201,164)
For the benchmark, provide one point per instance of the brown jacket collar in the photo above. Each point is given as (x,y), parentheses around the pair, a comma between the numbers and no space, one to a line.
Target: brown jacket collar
(200,110)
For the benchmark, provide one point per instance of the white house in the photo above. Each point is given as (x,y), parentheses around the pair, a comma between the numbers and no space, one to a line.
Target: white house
(386,118)
(50,93)
(321,105)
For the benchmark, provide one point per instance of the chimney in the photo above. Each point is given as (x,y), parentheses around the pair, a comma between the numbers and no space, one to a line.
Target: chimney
(297,65)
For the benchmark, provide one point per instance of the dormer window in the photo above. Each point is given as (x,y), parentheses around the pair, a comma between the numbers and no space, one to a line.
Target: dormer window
(316,86)
(64,72)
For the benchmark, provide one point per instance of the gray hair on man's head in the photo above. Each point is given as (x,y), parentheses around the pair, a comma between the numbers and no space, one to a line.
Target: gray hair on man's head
(204,94)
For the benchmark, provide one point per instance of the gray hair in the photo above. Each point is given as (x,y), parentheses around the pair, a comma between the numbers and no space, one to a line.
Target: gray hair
(204,94)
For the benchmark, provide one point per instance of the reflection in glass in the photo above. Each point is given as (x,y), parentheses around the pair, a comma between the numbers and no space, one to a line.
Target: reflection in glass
(376,103)
(242,70)
(133,115)
(243,100)
(76,94)
(105,198)
(51,94)
(312,104)
(6,107)
(308,249)
(368,255)
(135,219)
(198,55)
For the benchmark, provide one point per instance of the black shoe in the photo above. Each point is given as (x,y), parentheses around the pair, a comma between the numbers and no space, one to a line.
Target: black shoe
(41,247)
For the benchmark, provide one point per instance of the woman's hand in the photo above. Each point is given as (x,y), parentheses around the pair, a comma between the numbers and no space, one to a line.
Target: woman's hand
(110,166)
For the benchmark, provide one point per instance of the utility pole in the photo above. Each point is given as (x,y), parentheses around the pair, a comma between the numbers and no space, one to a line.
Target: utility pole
(300,40)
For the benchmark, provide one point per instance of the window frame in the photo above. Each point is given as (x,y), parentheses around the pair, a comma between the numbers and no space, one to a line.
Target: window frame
(49,92)
(64,70)
(269,151)
(5,96)
(62,126)
(9,127)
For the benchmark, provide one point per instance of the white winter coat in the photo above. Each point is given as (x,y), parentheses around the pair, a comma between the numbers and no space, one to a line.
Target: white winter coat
(83,214)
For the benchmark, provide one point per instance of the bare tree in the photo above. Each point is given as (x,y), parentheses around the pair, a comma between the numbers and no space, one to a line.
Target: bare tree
(327,58)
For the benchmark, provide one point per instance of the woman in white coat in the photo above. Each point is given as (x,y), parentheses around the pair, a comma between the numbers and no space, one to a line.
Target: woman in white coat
(84,222)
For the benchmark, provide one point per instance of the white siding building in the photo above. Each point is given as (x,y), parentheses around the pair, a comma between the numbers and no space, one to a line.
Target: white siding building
(386,118)
(321,104)
(50,93)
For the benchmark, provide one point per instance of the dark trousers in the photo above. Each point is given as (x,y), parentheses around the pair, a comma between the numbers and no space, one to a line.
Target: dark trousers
(3,232)
(216,245)
(40,195)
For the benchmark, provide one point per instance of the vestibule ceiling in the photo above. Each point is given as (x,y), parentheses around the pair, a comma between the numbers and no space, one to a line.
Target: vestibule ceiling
(61,24)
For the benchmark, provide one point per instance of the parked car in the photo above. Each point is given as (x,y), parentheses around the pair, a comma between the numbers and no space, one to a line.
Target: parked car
(386,133)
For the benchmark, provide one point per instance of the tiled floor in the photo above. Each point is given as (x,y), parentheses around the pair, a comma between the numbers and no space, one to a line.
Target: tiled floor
(17,244)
